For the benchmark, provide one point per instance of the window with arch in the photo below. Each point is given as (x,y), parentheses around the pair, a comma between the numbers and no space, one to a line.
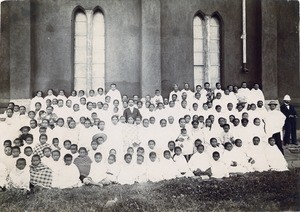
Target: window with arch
(89,49)
(207,58)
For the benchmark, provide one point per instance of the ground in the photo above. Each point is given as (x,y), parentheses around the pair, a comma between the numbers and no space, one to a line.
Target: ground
(272,191)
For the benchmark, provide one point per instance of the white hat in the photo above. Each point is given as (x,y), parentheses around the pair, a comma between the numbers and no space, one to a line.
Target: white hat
(287,98)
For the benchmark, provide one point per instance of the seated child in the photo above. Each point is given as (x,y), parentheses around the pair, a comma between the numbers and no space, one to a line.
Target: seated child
(40,174)
(218,167)
(200,163)
(83,163)
(38,149)
(69,177)
(126,173)
(56,165)
(98,171)
(274,157)
(170,171)
(19,176)
(226,135)
(154,169)
(140,170)
(257,154)
(112,170)
(181,163)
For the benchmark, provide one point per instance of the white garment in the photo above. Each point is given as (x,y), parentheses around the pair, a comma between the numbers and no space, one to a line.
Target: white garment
(20,179)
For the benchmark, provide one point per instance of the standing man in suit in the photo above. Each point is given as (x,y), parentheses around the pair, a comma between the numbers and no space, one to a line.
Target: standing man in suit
(131,111)
(290,122)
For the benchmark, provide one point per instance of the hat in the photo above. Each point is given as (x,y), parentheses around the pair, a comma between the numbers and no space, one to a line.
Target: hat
(287,98)
(272,103)
(99,135)
(28,128)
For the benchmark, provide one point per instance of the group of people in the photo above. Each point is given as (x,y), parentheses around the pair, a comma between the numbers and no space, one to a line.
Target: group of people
(99,138)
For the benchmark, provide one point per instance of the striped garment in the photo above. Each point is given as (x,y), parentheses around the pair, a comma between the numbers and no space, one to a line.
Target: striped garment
(41,175)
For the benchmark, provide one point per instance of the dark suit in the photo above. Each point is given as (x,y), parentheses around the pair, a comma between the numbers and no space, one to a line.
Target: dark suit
(290,123)
(135,113)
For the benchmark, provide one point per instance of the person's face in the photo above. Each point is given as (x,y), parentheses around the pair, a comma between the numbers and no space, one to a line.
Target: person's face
(54,102)
(112,152)
(166,101)
(177,151)
(80,93)
(130,103)
(15,153)
(213,142)
(91,93)
(55,142)
(39,94)
(122,119)
(29,140)
(16,108)
(101,125)
(244,123)
(174,98)
(244,85)
(216,157)
(260,104)
(272,107)
(100,92)
(17,142)
(67,145)
(183,104)
(218,86)
(48,102)
(226,128)
(72,124)
(100,140)
(47,152)
(171,146)
(171,119)
(272,141)
(28,151)
(160,106)
(82,101)
(55,156)
(87,124)
(157,93)
(138,121)
(50,92)
(130,120)
(25,130)
(31,115)
(43,139)
(151,108)
(175,87)
(68,161)
(35,161)
(151,145)
(73,149)
(218,109)
(60,122)
(21,164)
(152,120)
(139,160)
(186,86)
(195,125)
(218,96)
(205,107)
(146,123)
(74,93)
(7,151)
(128,159)
(229,147)
(82,153)
(245,115)
(98,158)
(82,120)
(208,122)
(195,107)
(111,160)
(229,106)
(94,145)
(257,122)
(256,141)
(60,103)
(9,113)
(152,157)
(197,95)
(114,120)
(89,106)
(163,123)
(167,155)
(239,143)
(183,132)
(236,122)
(107,99)
(49,110)
(22,110)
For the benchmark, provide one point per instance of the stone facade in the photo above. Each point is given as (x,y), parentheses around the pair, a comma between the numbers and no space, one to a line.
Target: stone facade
(149,45)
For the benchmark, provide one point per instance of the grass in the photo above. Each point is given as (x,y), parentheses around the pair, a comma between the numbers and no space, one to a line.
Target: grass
(272,191)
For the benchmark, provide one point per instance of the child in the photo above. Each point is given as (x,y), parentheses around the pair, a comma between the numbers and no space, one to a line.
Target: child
(27,154)
(40,174)
(226,135)
(69,177)
(140,170)
(47,159)
(55,144)
(66,148)
(257,154)
(19,176)
(74,150)
(199,163)
(38,149)
(56,166)
(196,144)
(97,173)
(112,170)
(153,169)
(214,147)
(274,157)
(29,139)
(125,176)
(218,167)
(83,163)
(181,163)
(170,171)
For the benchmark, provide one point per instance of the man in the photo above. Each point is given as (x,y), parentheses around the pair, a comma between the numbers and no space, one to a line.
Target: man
(274,121)
(290,122)
(131,111)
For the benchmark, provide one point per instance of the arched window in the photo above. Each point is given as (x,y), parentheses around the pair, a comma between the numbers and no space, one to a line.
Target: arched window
(198,51)
(89,50)
(207,64)
(80,50)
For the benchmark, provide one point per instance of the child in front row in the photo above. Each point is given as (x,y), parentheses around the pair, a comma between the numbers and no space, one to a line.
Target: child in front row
(19,176)
(69,177)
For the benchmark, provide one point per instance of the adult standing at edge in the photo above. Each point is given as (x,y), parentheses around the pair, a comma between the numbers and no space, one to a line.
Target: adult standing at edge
(290,122)
(274,121)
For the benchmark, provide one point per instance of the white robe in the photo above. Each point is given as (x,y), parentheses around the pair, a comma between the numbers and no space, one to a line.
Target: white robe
(275,158)
(20,179)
